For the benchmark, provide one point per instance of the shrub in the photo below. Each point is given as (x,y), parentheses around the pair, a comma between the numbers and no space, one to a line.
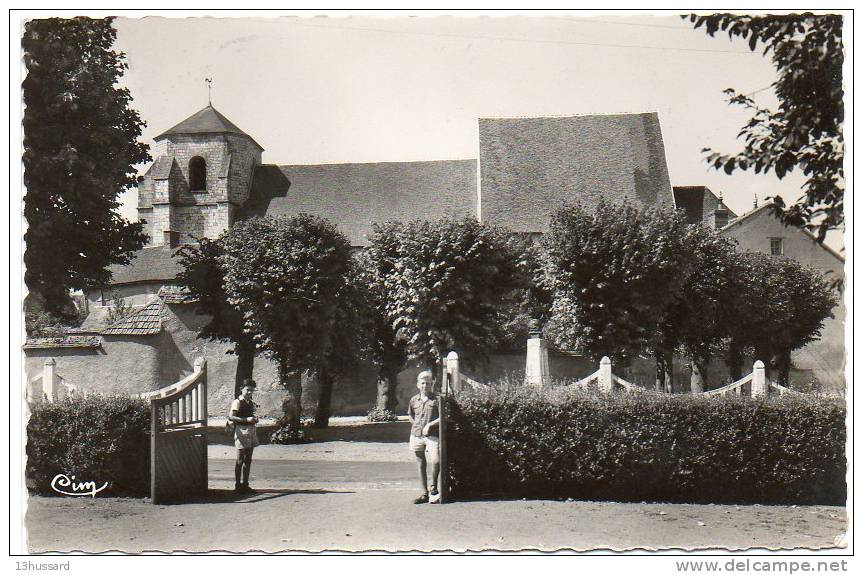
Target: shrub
(586,445)
(378,415)
(95,438)
(287,433)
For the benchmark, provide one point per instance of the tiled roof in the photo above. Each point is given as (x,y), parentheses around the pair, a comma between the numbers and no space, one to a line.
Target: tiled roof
(175,294)
(147,265)
(69,341)
(207,121)
(529,167)
(355,196)
(146,321)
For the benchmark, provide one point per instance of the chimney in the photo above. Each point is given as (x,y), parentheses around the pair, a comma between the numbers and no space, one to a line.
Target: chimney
(720,214)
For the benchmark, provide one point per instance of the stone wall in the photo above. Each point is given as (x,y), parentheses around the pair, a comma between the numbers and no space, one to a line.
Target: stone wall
(123,365)
(245,155)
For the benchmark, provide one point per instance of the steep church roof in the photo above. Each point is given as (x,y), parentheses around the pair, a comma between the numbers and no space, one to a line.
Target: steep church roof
(529,167)
(147,265)
(356,196)
(206,121)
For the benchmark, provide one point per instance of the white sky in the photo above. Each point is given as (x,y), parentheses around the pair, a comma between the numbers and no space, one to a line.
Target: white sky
(362,89)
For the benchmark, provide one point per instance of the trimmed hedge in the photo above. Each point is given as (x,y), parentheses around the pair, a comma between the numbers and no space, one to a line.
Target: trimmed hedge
(95,438)
(639,447)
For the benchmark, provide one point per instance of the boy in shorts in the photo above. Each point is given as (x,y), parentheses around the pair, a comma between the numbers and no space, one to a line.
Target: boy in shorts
(424,413)
(245,435)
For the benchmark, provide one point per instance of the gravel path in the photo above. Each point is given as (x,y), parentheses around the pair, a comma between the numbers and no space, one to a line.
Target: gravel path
(364,519)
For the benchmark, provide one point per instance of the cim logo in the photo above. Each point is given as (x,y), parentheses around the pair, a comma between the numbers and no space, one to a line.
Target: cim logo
(68,486)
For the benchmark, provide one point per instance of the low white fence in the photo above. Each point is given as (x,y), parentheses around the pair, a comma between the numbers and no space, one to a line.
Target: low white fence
(607,381)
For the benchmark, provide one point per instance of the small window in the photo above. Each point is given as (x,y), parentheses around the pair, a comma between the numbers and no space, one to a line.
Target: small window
(776,247)
(197,174)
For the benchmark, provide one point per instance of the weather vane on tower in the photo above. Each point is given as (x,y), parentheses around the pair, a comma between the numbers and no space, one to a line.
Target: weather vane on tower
(209,82)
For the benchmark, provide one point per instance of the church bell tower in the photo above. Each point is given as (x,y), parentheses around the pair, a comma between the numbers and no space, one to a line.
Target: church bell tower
(200,177)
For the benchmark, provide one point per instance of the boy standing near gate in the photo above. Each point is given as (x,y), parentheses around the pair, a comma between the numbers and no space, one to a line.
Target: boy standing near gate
(245,434)
(424,413)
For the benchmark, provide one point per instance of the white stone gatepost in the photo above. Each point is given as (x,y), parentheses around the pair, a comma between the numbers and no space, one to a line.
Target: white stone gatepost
(453,375)
(49,379)
(759,380)
(604,379)
(536,370)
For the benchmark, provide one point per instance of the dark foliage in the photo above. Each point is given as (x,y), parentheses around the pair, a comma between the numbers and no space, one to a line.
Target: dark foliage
(80,151)
(203,274)
(805,132)
(585,445)
(289,280)
(94,438)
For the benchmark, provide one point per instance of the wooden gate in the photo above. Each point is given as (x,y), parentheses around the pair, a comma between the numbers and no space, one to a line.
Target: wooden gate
(178,437)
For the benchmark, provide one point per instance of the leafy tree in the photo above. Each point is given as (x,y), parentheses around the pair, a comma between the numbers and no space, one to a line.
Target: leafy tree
(700,317)
(446,285)
(614,272)
(287,277)
(203,274)
(349,340)
(805,132)
(781,306)
(80,151)
(387,352)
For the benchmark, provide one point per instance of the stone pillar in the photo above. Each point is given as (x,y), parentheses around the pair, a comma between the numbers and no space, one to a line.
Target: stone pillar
(604,381)
(453,375)
(49,379)
(759,380)
(536,370)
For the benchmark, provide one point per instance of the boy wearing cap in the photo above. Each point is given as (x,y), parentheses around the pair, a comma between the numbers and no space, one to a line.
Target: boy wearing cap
(245,434)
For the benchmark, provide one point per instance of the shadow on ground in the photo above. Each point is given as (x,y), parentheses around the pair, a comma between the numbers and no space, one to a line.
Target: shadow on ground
(391,432)
(259,495)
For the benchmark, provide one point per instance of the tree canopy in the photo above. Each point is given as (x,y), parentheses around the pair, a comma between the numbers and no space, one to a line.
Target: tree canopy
(445,284)
(287,277)
(614,272)
(805,132)
(781,305)
(80,151)
(203,274)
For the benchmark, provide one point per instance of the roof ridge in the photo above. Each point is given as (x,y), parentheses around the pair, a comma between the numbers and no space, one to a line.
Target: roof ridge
(563,116)
(379,162)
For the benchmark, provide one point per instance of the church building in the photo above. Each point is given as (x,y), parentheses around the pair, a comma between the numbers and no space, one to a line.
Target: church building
(209,174)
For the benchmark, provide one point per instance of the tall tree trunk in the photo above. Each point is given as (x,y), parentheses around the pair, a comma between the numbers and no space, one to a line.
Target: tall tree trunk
(698,379)
(783,366)
(245,351)
(325,396)
(660,371)
(734,360)
(292,404)
(668,364)
(387,382)
(664,371)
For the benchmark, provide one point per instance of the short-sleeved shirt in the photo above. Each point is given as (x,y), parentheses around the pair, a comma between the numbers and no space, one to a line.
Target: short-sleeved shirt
(422,412)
